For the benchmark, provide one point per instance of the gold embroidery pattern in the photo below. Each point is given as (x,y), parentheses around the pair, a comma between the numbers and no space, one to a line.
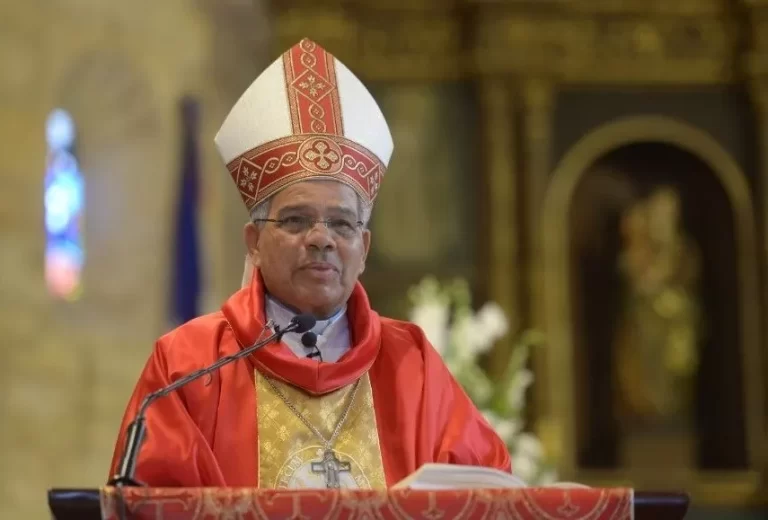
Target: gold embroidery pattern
(321,155)
(310,78)
(287,447)
(261,171)
(479,504)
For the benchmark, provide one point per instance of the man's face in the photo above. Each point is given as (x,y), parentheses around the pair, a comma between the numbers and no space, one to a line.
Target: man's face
(312,269)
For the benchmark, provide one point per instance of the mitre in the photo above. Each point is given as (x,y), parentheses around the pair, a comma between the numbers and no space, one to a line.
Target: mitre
(307,116)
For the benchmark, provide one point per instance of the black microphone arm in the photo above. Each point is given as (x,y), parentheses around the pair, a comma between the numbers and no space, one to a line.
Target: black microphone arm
(137,429)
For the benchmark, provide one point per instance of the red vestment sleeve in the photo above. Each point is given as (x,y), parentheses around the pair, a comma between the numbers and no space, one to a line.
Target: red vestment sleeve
(463,434)
(175,452)
(423,414)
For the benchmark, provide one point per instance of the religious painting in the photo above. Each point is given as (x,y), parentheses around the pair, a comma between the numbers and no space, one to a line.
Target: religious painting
(660,320)
(423,220)
(656,315)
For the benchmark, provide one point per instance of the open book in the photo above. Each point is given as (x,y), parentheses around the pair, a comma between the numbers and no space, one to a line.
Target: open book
(452,476)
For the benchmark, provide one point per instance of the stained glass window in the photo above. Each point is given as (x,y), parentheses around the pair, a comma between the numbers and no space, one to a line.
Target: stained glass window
(64,201)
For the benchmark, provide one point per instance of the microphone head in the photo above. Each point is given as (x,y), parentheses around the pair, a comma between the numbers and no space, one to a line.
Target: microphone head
(309,339)
(303,322)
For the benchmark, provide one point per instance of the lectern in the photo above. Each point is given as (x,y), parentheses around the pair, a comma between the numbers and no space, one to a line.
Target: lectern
(245,503)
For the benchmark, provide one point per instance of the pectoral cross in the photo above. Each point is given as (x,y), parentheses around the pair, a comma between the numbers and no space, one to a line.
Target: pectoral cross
(331,467)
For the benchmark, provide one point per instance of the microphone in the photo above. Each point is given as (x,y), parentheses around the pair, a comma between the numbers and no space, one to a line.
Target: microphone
(309,340)
(136,430)
(303,322)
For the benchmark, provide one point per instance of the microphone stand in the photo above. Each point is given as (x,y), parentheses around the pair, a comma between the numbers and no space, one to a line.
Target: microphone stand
(137,429)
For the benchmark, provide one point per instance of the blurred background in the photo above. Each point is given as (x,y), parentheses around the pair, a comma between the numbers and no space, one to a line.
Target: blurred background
(599,168)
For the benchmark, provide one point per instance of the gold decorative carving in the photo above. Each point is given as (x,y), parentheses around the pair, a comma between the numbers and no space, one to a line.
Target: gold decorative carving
(555,288)
(656,7)
(332,28)
(428,45)
(635,42)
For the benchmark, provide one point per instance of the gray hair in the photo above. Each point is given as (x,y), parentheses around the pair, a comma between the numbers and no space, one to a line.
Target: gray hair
(261,211)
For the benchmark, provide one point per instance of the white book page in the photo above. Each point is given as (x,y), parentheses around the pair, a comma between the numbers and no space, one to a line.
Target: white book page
(453,476)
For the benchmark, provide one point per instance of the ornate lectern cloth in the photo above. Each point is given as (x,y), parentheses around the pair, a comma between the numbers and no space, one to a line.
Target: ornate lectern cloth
(246,504)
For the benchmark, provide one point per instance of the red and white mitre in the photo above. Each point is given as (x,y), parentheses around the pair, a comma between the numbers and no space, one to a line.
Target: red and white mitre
(307,116)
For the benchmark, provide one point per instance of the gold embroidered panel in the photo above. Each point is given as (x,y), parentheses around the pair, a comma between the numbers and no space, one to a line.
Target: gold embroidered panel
(287,448)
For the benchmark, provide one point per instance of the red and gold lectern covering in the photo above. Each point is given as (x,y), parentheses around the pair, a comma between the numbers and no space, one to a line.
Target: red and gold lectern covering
(215,503)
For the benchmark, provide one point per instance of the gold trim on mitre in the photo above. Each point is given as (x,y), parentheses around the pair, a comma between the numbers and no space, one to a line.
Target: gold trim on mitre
(269,168)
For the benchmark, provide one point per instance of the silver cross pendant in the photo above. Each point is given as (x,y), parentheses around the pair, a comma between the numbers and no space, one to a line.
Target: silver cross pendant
(331,467)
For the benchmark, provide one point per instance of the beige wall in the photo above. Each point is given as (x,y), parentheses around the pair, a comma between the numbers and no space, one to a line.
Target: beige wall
(66,370)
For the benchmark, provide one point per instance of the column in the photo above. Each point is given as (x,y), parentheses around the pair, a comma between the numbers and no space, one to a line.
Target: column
(497,108)
(538,100)
(759,91)
(538,96)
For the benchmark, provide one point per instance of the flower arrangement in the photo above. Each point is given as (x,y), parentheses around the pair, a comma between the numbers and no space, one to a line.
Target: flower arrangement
(460,335)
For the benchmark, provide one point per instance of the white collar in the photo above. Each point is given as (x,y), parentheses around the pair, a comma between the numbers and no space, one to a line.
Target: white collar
(282,315)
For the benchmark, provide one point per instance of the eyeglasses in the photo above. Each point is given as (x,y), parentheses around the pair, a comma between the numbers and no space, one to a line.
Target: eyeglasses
(296,225)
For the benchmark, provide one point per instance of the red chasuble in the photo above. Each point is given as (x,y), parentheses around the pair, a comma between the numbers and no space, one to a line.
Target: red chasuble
(207,434)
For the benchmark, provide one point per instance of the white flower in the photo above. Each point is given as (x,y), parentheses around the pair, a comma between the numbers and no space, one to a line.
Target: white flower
(459,335)
(526,457)
(529,445)
(524,468)
(432,317)
(467,338)
(521,380)
(492,320)
(474,334)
